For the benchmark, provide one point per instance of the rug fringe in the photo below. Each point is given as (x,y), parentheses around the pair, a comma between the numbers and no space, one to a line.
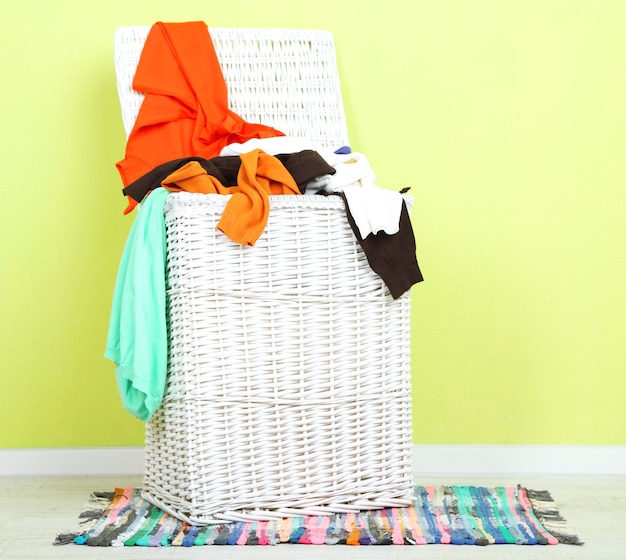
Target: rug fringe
(64,538)
(550,517)
(96,506)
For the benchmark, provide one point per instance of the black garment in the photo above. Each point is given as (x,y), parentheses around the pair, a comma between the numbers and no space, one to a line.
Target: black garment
(303,166)
(392,257)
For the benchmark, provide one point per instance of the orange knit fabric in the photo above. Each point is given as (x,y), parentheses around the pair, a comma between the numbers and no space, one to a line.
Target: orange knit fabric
(245,214)
(185,111)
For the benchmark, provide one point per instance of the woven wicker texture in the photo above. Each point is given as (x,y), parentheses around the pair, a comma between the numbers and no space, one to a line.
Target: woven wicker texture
(284,78)
(289,379)
(289,385)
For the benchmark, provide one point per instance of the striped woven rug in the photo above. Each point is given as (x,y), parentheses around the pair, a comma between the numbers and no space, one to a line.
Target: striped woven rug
(440,515)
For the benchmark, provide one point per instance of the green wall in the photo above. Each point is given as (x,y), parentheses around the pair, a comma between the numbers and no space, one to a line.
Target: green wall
(508,119)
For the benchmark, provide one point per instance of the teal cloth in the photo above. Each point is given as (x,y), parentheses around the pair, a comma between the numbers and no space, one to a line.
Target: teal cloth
(137,337)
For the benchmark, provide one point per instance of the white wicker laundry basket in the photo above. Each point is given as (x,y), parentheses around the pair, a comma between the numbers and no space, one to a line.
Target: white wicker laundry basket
(289,384)
(289,379)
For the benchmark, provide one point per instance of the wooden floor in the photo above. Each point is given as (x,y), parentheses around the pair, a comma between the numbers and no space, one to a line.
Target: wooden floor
(34,510)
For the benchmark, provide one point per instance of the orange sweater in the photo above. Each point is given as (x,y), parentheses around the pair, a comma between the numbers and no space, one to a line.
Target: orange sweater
(185,110)
(246,213)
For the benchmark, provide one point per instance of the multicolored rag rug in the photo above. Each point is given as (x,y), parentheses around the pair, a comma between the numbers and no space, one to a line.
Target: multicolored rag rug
(440,515)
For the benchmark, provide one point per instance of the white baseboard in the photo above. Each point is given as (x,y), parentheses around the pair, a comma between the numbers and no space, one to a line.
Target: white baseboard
(76,461)
(520,459)
(428,459)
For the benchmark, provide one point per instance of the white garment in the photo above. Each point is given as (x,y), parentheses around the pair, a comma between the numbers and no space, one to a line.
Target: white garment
(277,145)
(373,209)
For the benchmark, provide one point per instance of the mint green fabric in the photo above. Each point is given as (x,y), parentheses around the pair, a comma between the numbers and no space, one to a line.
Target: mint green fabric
(137,337)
